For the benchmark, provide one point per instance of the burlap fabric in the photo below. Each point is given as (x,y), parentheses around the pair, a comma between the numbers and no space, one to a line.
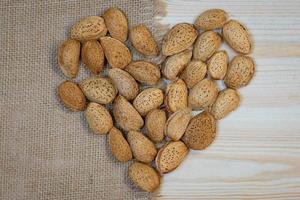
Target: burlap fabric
(46,151)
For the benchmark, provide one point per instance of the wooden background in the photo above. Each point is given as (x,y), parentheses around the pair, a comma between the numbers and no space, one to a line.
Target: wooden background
(257,152)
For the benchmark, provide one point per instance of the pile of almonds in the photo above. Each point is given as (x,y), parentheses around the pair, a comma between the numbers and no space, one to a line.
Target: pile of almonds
(192,64)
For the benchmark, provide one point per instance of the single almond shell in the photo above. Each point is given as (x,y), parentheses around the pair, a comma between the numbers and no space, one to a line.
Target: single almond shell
(203,94)
(200,132)
(93,56)
(237,36)
(89,28)
(68,58)
(176,96)
(177,123)
(126,115)
(72,96)
(144,72)
(117,23)
(206,45)
(240,72)
(119,146)
(143,40)
(155,123)
(98,89)
(178,39)
(116,53)
(148,99)
(144,176)
(142,148)
(175,64)
(211,19)
(194,72)
(228,100)
(217,65)
(98,118)
(124,82)
(171,156)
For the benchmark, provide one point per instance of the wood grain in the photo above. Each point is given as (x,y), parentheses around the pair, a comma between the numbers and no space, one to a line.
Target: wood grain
(257,152)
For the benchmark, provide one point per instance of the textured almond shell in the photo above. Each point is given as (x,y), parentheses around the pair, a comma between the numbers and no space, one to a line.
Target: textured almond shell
(148,99)
(93,56)
(175,64)
(176,96)
(194,72)
(203,94)
(240,72)
(68,58)
(89,28)
(142,148)
(237,36)
(201,131)
(171,156)
(116,23)
(144,176)
(211,19)
(178,39)
(126,115)
(143,40)
(217,65)
(98,118)
(144,72)
(71,96)
(228,100)
(206,45)
(124,82)
(155,123)
(99,90)
(116,53)
(177,123)
(119,146)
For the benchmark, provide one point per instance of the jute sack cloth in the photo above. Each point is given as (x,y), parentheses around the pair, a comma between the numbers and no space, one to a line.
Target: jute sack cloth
(46,151)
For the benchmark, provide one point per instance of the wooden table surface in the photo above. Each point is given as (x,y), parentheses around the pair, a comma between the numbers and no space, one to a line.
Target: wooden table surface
(256,154)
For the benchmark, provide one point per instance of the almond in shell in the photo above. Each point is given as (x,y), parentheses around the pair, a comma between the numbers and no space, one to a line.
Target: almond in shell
(143,40)
(178,39)
(211,19)
(194,72)
(98,89)
(124,82)
(116,53)
(126,115)
(240,72)
(93,56)
(228,100)
(155,123)
(200,132)
(175,64)
(144,72)
(119,146)
(98,118)
(68,58)
(148,99)
(71,96)
(217,65)
(117,23)
(206,45)
(203,94)
(142,148)
(89,28)
(237,36)
(177,123)
(144,176)
(176,96)
(171,156)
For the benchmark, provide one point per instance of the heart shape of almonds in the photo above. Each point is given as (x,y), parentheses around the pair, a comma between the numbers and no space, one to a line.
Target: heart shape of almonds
(193,63)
